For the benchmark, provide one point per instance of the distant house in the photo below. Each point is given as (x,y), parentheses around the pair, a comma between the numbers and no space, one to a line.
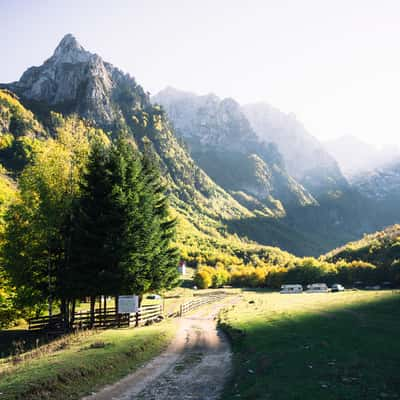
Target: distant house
(182,267)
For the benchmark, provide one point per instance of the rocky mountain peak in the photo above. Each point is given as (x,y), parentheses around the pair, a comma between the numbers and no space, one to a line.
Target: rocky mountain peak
(75,80)
(69,50)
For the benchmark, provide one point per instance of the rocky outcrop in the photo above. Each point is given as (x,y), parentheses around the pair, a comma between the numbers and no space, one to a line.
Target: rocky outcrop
(75,80)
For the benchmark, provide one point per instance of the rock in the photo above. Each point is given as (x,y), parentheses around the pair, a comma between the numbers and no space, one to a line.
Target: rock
(75,80)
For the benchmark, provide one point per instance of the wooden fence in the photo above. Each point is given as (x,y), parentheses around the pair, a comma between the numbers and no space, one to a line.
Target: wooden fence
(54,323)
(198,302)
(110,319)
(102,319)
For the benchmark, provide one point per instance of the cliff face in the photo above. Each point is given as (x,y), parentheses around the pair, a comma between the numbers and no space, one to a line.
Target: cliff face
(224,144)
(75,80)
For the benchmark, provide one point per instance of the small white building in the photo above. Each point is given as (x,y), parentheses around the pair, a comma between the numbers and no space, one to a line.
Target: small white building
(286,289)
(182,268)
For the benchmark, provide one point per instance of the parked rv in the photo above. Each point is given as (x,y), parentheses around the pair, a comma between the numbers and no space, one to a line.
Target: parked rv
(317,288)
(285,289)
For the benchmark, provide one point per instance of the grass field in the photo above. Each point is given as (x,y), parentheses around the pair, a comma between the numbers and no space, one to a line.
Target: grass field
(76,364)
(315,346)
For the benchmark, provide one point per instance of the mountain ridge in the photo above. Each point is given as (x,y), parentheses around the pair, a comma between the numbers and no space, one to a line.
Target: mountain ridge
(221,139)
(233,183)
(77,87)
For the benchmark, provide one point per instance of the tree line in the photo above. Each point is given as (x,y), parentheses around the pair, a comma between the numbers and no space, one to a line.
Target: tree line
(300,271)
(91,219)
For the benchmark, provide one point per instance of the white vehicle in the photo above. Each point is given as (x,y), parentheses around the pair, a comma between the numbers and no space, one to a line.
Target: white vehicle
(337,287)
(291,289)
(317,288)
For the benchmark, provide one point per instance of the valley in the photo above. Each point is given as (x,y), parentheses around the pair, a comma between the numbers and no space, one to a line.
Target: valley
(114,200)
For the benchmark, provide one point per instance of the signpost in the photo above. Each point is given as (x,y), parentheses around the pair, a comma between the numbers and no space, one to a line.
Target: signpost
(128,304)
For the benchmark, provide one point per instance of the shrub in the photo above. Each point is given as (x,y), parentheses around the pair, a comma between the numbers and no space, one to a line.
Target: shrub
(203,279)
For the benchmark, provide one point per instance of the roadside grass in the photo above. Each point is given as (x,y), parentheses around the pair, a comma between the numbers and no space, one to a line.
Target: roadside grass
(79,363)
(315,346)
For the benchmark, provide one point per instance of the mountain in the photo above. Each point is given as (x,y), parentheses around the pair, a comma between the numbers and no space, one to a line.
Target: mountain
(252,151)
(75,81)
(368,157)
(382,187)
(225,146)
(305,157)
(227,185)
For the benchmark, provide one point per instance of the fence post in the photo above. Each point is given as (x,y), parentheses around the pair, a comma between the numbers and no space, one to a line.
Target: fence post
(137,318)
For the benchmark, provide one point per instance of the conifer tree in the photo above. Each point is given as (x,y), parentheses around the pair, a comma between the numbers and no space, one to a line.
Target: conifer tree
(150,262)
(166,257)
(98,226)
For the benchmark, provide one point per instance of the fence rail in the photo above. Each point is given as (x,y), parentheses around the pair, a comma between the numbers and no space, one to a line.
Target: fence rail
(111,319)
(198,302)
(53,323)
(102,319)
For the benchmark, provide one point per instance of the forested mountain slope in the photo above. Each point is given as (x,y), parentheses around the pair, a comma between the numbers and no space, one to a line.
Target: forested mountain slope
(76,81)
(222,142)
(222,178)
(380,248)
(253,152)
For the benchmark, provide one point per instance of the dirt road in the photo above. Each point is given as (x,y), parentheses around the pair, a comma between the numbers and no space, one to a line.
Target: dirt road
(195,366)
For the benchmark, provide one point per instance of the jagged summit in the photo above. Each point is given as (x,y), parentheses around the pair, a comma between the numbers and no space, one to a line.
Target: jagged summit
(76,80)
(68,41)
(69,50)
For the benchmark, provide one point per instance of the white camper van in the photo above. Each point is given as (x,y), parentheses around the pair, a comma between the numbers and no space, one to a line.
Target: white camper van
(317,288)
(291,289)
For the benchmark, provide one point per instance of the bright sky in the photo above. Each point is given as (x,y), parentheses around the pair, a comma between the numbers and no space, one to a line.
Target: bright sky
(335,64)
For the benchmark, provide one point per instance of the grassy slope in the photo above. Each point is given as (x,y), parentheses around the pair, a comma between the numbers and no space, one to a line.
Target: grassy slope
(314,346)
(70,367)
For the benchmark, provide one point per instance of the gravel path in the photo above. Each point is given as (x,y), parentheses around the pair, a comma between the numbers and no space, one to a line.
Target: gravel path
(195,366)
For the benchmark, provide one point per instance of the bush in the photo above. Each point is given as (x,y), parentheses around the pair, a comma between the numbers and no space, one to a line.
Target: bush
(203,279)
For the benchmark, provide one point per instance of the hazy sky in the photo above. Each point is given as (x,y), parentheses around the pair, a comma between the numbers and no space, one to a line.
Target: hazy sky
(335,64)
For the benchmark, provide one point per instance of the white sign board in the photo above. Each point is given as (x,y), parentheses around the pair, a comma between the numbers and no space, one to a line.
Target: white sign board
(128,304)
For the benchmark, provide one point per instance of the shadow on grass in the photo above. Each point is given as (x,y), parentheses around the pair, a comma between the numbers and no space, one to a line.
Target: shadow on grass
(348,353)
(20,340)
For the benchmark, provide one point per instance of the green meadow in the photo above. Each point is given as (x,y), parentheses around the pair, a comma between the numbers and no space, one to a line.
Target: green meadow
(315,346)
